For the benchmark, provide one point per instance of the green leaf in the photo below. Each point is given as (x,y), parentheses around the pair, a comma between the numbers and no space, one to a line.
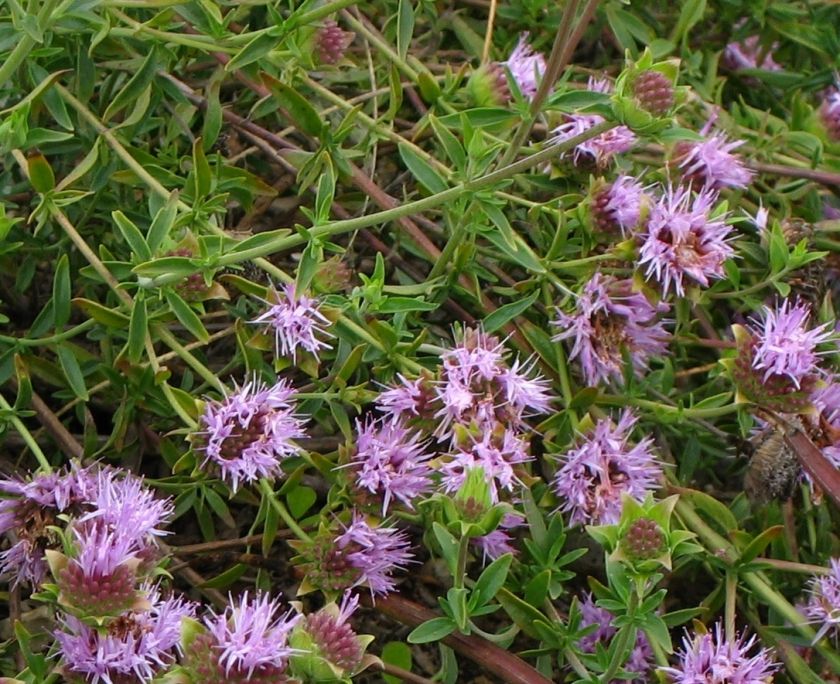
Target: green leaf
(135,86)
(132,235)
(690,14)
(174,266)
(404,304)
(432,630)
(504,314)
(219,507)
(448,545)
(422,170)
(405,26)
(186,315)
(453,147)
(759,543)
(137,328)
(40,173)
(226,578)
(299,109)
(492,579)
(300,500)
(162,223)
(258,47)
(72,371)
(61,292)
(715,511)
(325,195)
(522,613)
(102,314)
(213,116)
(201,175)
(260,240)
(399,654)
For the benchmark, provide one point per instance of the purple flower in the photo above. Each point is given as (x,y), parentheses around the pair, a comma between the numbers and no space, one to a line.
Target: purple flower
(682,239)
(823,607)
(595,474)
(374,553)
(408,399)
(496,454)
(712,164)
(745,55)
(249,640)
(602,148)
(132,647)
(389,462)
(526,67)
(248,433)
(297,322)
(783,344)
(618,204)
(641,657)
(830,114)
(478,387)
(30,512)
(712,659)
(124,504)
(499,542)
(609,319)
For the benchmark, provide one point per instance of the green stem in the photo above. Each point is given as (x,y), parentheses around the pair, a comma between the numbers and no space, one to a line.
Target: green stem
(729,607)
(381,45)
(27,436)
(714,412)
(51,339)
(282,511)
(455,240)
(24,45)
(619,655)
(461,566)
(170,340)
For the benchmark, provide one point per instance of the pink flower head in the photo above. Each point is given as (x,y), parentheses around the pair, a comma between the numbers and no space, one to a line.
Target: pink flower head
(496,455)
(746,53)
(407,399)
(29,512)
(373,553)
(499,542)
(296,321)
(610,318)
(712,164)
(602,148)
(604,466)
(390,462)
(526,67)
(823,607)
(830,114)
(710,658)
(248,433)
(641,657)
(249,639)
(784,345)
(478,387)
(135,646)
(619,204)
(682,240)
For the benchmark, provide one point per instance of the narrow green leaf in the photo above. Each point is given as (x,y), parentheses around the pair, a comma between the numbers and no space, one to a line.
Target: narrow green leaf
(422,170)
(40,173)
(24,383)
(61,292)
(201,174)
(165,266)
(137,328)
(260,240)
(163,222)
(72,371)
(299,109)
(399,654)
(504,314)
(432,630)
(405,26)
(226,578)
(257,48)
(300,500)
(212,114)
(135,86)
(453,147)
(492,579)
(186,315)
(102,314)
(132,235)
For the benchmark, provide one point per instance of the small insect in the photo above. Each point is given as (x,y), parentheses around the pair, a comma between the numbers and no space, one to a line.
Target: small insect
(773,470)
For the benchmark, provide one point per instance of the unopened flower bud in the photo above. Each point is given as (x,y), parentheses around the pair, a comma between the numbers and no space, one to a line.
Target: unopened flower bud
(643,540)
(331,42)
(654,91)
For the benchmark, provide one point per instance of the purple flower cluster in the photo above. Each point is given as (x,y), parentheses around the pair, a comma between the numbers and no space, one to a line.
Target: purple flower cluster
(619,205)
(609,319)
(246,642)
(750,54)
(641,657)
(594,475)
(296,321)
(711,163)
(602,148)
(830,114)
(710,658)
(823,606)
(683,239)
(784,345)
(495,454)
(526,67)
(132,647)
(359,555)
(390,462)
(246,435)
